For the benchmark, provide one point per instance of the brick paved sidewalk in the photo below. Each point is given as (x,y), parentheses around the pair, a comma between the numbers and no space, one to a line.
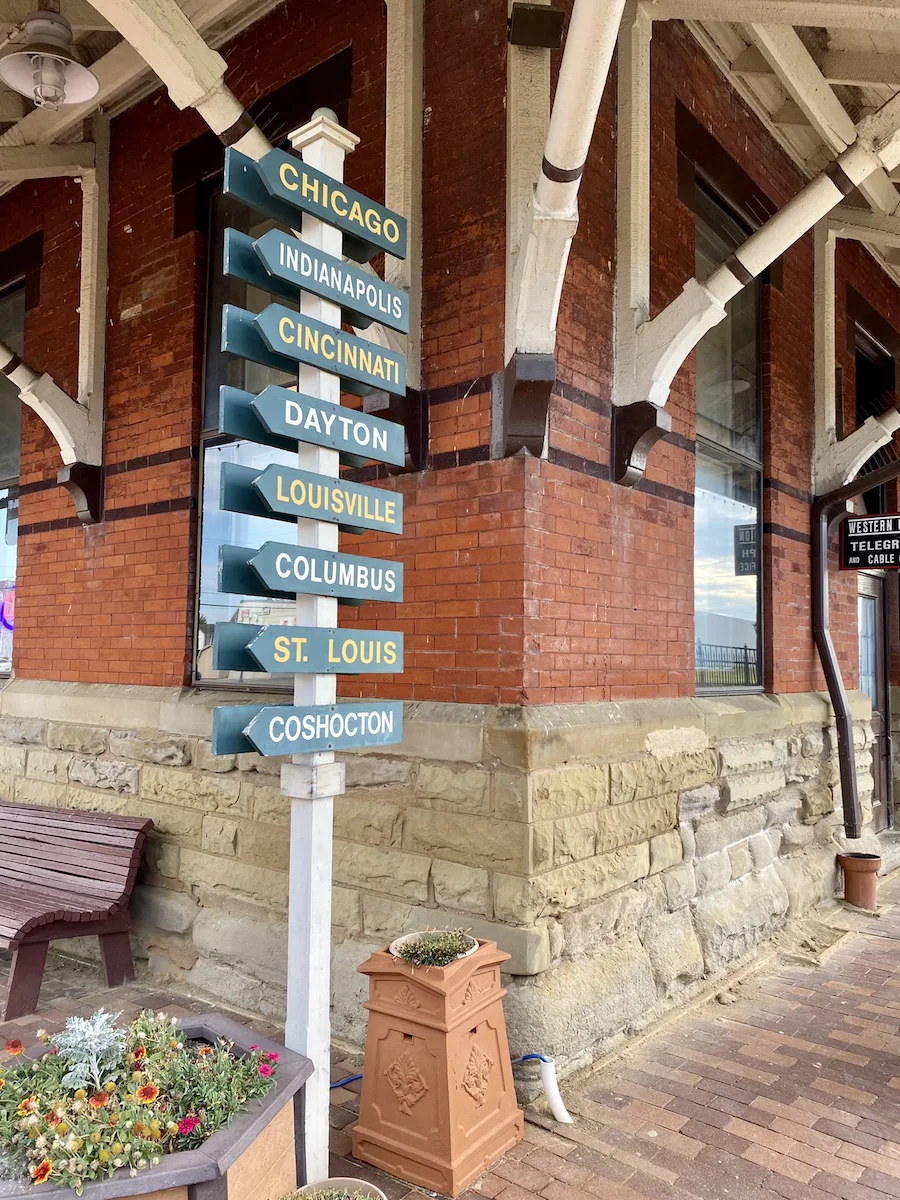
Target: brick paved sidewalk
(792,1091)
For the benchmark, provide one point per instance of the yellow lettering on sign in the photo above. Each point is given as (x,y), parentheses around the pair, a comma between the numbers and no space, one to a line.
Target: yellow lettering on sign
(310,188)
(282,650)
(390,653)
(391,230)
(335,196)
(389,509)
(373,223)
(286,323)
(327,340)
(279,491)
(299,655)
(356,213)
(288,170)
(332,658)
(310,339)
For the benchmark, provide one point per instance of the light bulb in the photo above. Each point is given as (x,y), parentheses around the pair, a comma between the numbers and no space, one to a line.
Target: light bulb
(49,81)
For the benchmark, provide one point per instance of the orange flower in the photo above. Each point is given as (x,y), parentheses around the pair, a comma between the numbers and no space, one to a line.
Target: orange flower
(42,1171)
(99,1100)
(28,1105)
(114,1119)
(139,1054)
(204,1050)
(147,1093)
(2,1083)
(14,1046)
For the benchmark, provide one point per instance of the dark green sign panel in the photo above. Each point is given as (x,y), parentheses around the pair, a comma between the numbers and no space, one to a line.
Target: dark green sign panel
(287,494)
(362,366)
(288,179)
(281,570)
(280,417)
(286,649)
(290,729)
(244,182)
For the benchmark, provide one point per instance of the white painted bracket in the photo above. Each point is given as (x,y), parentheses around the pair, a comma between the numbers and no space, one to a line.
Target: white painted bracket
(303,782)
(76,428)
(538,276)
(45,162)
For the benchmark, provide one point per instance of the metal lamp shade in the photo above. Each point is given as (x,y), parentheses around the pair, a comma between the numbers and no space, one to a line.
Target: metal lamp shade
(45,69)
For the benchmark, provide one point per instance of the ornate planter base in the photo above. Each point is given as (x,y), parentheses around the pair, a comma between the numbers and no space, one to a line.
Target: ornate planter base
(438,1104)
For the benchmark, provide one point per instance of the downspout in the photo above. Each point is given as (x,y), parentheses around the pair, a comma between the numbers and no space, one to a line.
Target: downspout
(827,511)
(552,220)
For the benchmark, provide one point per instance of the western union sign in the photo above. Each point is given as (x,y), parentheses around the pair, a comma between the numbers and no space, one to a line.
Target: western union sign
(287,493)
(358,362)
(291,180)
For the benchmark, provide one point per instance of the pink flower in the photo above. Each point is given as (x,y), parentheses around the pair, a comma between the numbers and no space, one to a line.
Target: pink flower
(53,1050)
(253,1047)
(187,1125)
(271,1057)
(265,1069)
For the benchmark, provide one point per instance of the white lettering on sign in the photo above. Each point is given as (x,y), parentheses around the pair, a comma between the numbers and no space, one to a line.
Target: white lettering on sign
(300,416)
(345,574)
(339,279)
(313,727)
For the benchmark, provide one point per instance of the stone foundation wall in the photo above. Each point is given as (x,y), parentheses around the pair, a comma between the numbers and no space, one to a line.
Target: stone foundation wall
(625,855)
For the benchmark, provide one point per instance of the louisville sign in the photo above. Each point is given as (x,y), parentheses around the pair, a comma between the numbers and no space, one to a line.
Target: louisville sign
(287,648)
(293,729)
(281,417)
(359,363)
(286,493)
(869,543)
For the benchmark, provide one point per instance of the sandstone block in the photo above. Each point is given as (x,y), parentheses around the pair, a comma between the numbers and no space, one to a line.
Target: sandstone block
(265,802)
(106,773)
(817,802)
(349,989)
(172,911)
(528,946)
(741,860)
(522,900)
(371,821)
(219,835)
(190,789)
(162,858)
(13,759)
(49,765)
(688,841)
(719,832)
(180,951)
(740,756)
(796,837)
(807,879)
(588,930)
(734,919)
(81,739)
(147,745)
(681,886)
(345,910)
(230,876)
(181,825)
(813,745)
(575,838)
(460,887)
(386,919)
(36,791)
(712,872)
(242,938)
(364,770)
(798,769)
(563,791)
(636,821)
(651,776)
(23,731)
(698,802)
(674,951)
(265,845)
(475,841)
(665,851)
(382,869)
(744,790)
(463,790)
(510,796)
(205,760)
(762,850)
(542,846)
(244,990)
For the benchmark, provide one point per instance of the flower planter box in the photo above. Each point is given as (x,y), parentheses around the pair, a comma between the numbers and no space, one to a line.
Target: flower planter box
(438,1104)
(259,1156)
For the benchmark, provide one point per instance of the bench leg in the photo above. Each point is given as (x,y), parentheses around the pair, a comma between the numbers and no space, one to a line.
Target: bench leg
(117,961)
(25,977)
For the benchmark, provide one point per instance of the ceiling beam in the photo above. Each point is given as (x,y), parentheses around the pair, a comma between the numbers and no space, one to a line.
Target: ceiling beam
(864,226)
(45,162)
(839,14)
(12,106)
(82,16)
(837,66)
(804,83)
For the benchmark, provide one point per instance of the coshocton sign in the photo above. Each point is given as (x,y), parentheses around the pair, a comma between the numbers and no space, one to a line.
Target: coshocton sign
(282,185)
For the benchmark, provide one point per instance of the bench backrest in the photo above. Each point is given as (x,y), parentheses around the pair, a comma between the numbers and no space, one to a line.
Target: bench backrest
(71,853)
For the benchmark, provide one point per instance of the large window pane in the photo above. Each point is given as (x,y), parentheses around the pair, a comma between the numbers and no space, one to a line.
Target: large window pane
(728,356)
(726,572)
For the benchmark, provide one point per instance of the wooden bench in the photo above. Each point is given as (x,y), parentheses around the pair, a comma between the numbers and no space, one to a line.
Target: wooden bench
(64,874)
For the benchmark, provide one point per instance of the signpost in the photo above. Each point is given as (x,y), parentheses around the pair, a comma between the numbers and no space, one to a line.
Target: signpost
(871,543)
(335,221)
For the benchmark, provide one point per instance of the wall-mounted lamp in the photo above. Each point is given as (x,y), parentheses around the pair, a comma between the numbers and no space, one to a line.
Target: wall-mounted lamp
(45,68)
(536,25)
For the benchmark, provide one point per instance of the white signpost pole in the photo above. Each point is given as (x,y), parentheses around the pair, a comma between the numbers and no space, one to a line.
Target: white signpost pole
(313,780)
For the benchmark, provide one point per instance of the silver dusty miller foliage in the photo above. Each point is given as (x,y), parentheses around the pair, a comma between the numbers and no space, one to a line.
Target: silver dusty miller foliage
(92,1047)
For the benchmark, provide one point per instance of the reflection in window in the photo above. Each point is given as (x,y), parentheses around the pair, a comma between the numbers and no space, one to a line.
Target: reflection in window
(727,560)
(868,648)
(224,528)
(12,327)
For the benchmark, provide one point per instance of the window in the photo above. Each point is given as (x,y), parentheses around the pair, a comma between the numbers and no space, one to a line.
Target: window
(224,528)
(875,370)
(12,329)
(727,560)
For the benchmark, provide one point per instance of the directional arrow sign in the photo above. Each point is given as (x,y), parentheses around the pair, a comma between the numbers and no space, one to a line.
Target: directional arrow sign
(290,180)
(244,182)
(363,366)
(287,729)
(313,572)
(363,297)
(286,648)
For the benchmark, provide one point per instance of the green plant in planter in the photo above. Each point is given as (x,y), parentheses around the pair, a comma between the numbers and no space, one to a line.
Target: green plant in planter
(332,1193)
(435,948)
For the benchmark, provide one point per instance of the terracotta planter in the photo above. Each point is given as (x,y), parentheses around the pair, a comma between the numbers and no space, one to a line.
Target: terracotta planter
(257,1157)
(438,1104)
(861,879)
(352,1185)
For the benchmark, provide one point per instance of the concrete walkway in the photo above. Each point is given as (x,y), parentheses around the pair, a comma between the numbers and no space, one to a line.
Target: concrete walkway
(793,1090)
